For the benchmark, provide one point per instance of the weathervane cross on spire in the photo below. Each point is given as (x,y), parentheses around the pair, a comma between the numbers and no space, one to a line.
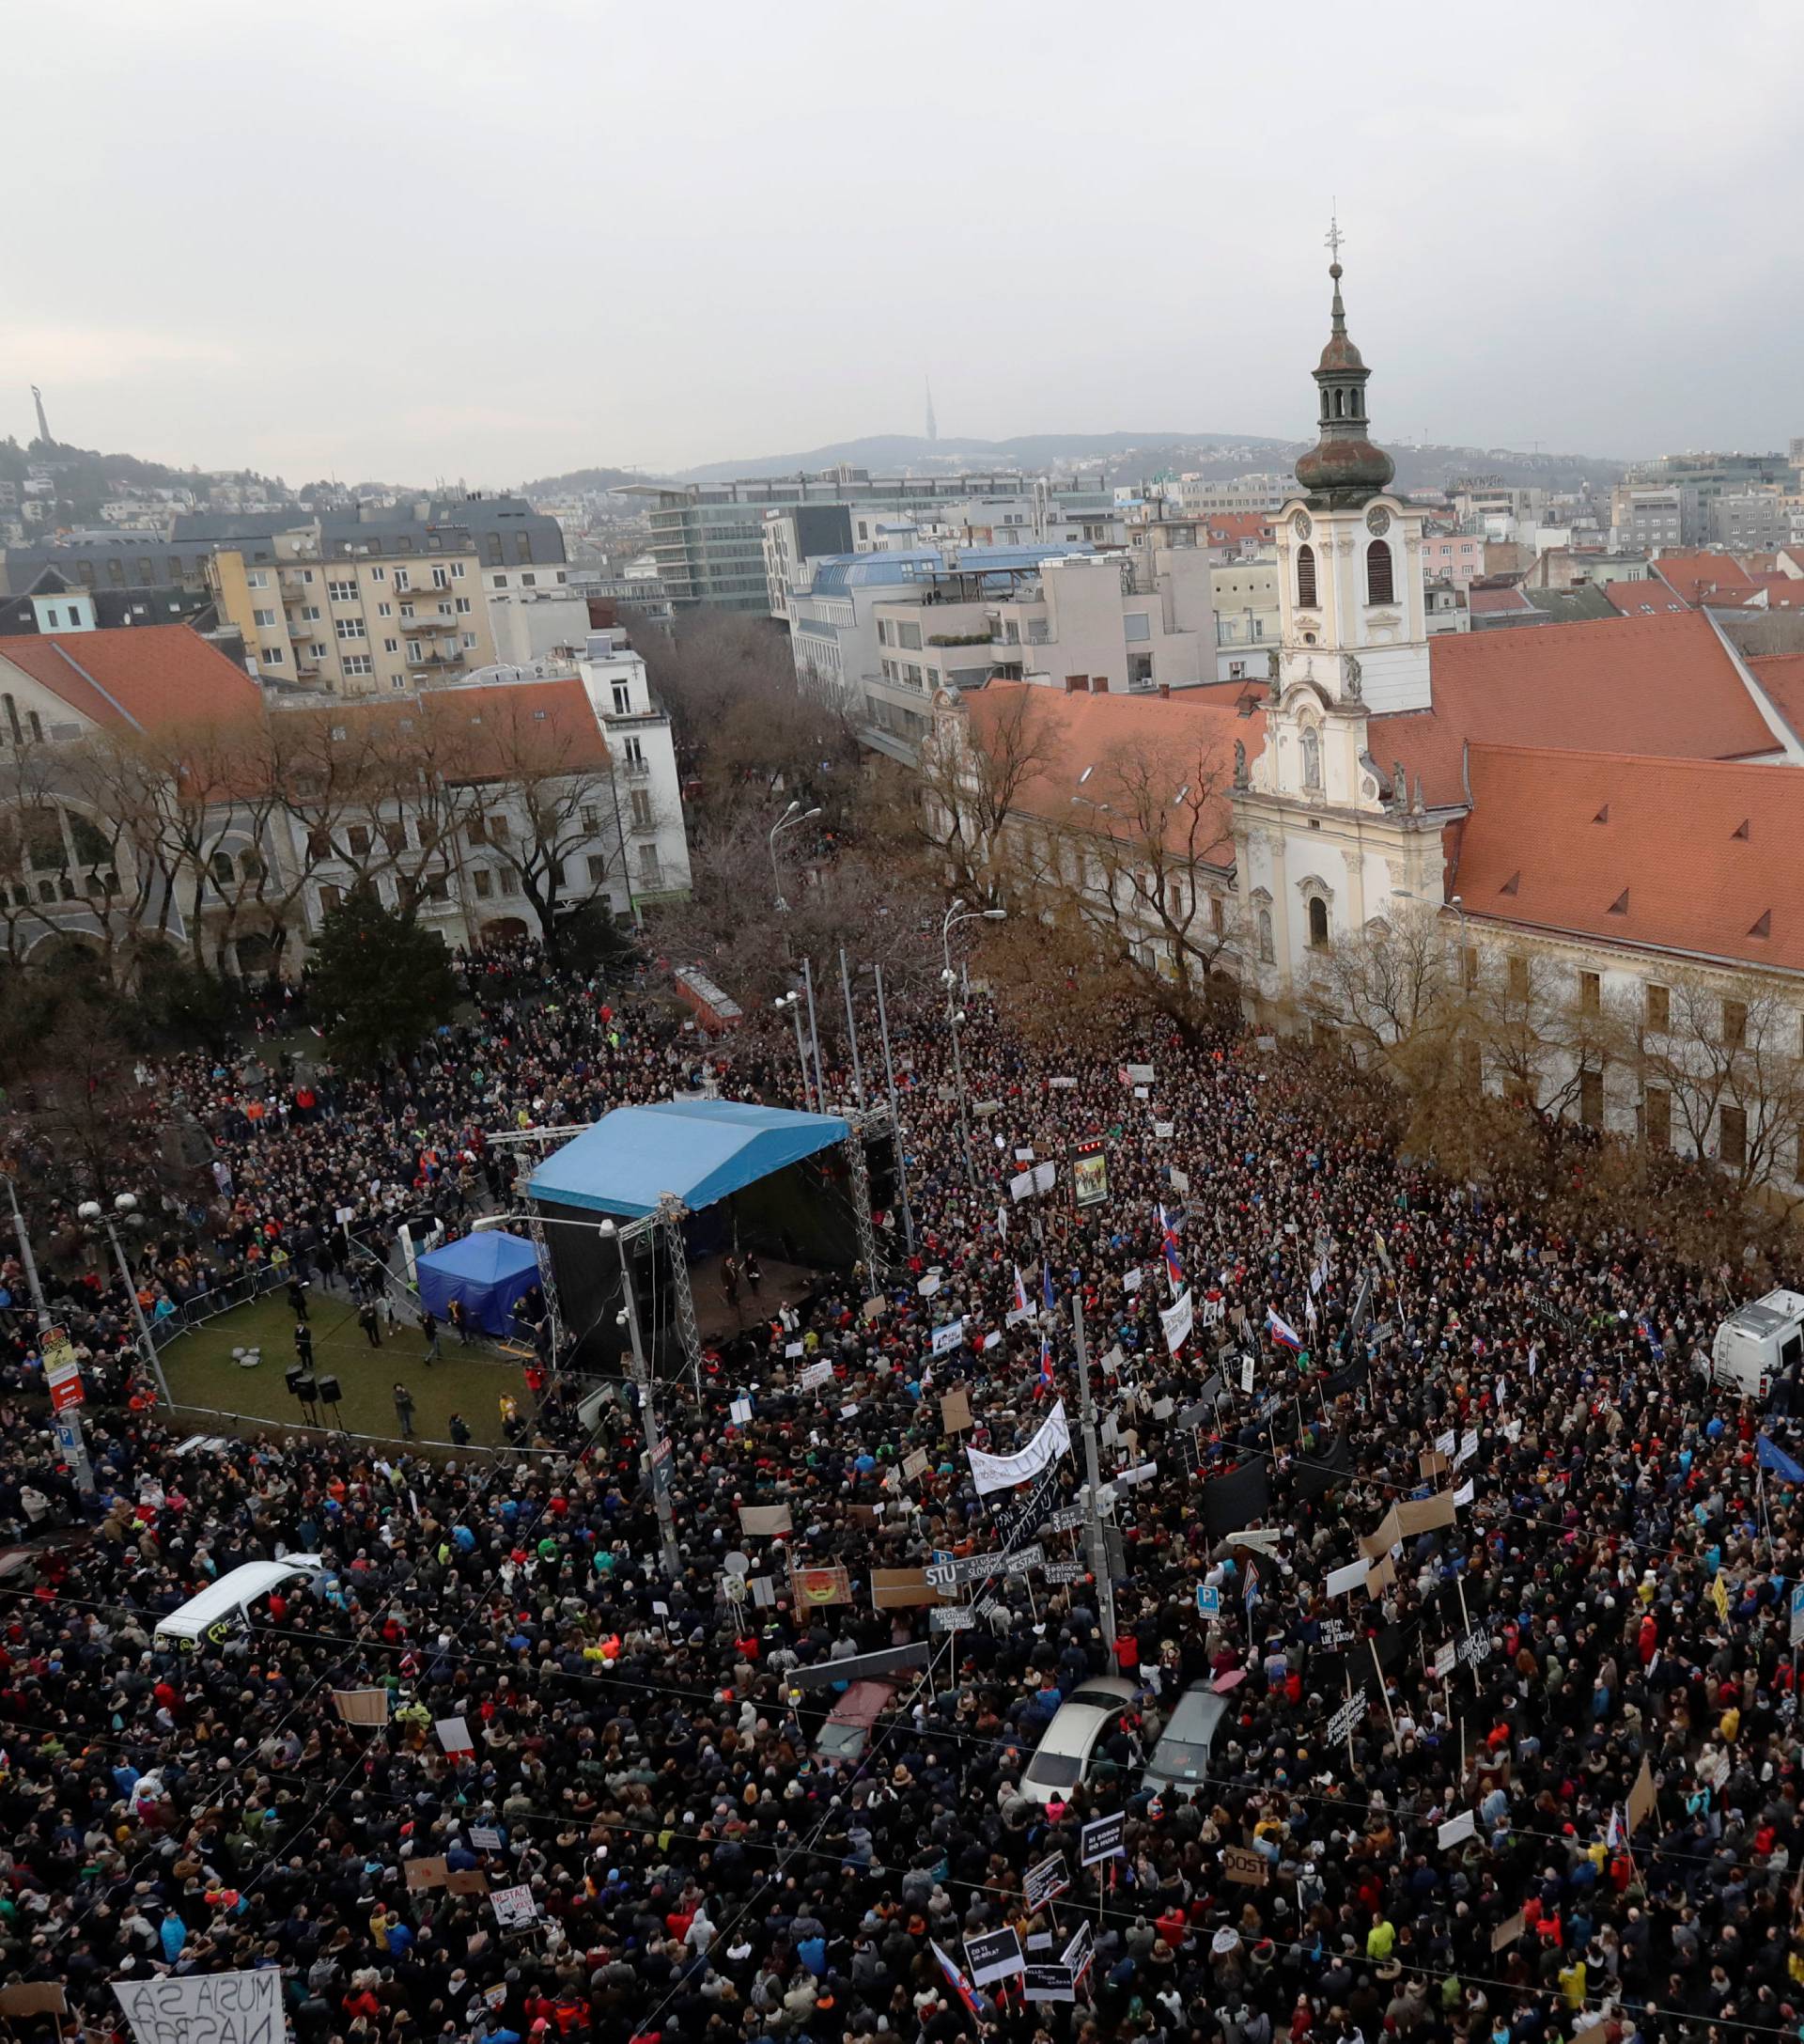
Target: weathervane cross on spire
(1333,238)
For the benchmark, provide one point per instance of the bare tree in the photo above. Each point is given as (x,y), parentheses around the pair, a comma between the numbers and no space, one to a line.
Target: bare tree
(978,764)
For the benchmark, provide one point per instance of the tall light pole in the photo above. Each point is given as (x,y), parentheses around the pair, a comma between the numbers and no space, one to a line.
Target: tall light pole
(896,1115)
(125,1207)
(955,1019)
(792,816)
(791,1003)
(657,1454)
(69,1420)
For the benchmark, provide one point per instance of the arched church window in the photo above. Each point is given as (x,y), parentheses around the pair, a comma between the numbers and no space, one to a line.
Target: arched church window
(1265,935)
(1340,400)
(1306,576)
(1312,757)
(1317,923)
(1380,585)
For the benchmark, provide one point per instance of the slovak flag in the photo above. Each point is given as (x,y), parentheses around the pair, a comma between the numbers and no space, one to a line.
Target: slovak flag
(1614,1837)
(1282,1331)
(955,1980)
(1167,1243)
(1045,1384)
(1021,1290)
(1046,1284)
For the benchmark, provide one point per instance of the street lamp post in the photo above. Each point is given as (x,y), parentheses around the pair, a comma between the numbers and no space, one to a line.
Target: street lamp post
(791,1003)
(955,1018)
(792,816)
(74,1435)
(1457,904)
(91,1212)
(656,1452)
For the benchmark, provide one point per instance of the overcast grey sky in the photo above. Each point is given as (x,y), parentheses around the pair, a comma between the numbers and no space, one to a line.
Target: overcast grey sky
(449,239)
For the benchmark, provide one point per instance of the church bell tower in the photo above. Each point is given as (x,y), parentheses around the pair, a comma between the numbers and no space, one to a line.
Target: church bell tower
(1352,619)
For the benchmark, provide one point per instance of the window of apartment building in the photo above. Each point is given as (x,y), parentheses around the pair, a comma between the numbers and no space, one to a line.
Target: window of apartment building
(1591,992)
(523,546)
(648,861)
(359,840)
(263,619)
(457,570)
(378,575)
(622,698)
(1136,625)
(470,647)
(635,753)
(391,645)
(1657,1007)
(349,628)
(384,609)
(309,613)
(402,580)
(437,887)
(1218,915)
(359,663)
(441,577)
(255,578)
(413,649)
(641,809)
(464,606)
(493,543)
(485,882)
(1734,1024)
(1591,1098)
(395,836)
(499,580)
(882,631)
(1518,978)
(406,611)
(329,897)
(598,869)
(591,818)
(1731,1135)
(341,592)
(1656,1119)
(529,581)
(909,638)
(270,655)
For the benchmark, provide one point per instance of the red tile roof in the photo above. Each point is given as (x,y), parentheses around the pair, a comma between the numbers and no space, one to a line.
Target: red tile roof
(1230,528)
(1781,674)
(547,724)
(1663,684)
(1096,744)
(1498,602)
(1695,855)
(1719,577)
(141,677)
(1642,598)
(1782,592)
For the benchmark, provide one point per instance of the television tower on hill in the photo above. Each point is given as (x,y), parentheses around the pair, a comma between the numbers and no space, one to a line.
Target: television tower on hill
(43,424)
(933,430)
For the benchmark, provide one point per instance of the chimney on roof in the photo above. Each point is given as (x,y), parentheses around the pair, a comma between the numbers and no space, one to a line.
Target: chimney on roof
(1165,691)
(1077,684)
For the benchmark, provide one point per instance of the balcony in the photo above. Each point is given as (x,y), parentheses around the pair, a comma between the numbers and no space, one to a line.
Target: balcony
(416,626)
(635,770)
(451,657)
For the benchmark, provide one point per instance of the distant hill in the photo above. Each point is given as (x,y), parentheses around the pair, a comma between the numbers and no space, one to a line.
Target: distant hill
(574,481)
(890,453)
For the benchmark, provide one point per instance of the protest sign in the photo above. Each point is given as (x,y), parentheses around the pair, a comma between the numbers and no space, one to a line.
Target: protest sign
(514,1907)
(362,1706)
(428,1873)
(994,1955)
(34,1998)
(1045,1880)
(764,1520)
(1049,1981)
(206,2009)
(1101,1839)
(895,1588)
(955,1411)
(1241,1864)
(454,1735)
(1423,1514)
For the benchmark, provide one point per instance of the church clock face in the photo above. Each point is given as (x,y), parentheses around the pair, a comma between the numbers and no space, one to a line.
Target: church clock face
(1301,525)
(1377,520)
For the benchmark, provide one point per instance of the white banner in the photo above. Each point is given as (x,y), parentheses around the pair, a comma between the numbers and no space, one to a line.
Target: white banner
(1175,1320)
(948,1338)
(206,2009)
(1002,1472)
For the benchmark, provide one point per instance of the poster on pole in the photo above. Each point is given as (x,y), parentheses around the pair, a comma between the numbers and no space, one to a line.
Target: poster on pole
(1101,1839)
(1049,1981)
(454,1735)
(1045,1880)
(1090,1175)
(514,1907)
(1176,1320)
(206,2009)
(62,1372)
(994,1955)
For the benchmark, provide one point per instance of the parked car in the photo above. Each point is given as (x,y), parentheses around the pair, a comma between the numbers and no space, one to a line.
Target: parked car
(1181,1761)
(1063,1756)
(847,1729)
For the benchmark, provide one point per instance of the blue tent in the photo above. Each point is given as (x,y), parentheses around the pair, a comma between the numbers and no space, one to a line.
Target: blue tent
(489,1273)
(701,1150)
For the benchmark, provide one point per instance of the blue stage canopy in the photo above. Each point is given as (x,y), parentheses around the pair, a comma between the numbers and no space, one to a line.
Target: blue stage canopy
(701,1150)
(489,1273)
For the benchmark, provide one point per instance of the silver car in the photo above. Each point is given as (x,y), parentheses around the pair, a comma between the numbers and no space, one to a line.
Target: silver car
(1180,1762)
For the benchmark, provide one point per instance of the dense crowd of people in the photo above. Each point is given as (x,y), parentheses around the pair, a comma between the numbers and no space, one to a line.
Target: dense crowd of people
(1534,1776)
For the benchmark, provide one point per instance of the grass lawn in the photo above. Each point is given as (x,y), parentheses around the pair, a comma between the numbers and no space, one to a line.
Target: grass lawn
(201,1372)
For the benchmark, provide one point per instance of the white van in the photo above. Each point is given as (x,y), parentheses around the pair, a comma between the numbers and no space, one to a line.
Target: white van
(223,1608)
(1758,1344)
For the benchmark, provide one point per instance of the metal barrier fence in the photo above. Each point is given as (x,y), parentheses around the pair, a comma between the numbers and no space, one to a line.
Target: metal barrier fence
(209,1305)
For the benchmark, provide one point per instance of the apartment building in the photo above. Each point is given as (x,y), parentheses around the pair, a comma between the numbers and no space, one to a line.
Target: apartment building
(708,538)
(1642,518)
(355,616)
